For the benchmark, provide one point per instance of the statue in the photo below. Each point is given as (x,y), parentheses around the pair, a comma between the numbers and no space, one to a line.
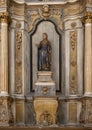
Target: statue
(44,54)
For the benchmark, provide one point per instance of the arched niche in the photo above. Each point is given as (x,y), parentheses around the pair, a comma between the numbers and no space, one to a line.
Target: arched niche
(55,37)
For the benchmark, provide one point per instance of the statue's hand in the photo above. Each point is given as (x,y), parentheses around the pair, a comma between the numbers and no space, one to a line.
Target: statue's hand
(37,45)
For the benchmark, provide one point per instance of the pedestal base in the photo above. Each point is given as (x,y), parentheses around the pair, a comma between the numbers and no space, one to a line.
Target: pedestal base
(6,116)
(45,86)
(46,110)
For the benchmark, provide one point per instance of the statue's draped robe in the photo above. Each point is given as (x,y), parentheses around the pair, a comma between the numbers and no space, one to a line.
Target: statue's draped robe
(44,56)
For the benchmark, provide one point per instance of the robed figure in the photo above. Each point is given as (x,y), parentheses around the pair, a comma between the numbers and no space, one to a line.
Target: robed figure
(44,54)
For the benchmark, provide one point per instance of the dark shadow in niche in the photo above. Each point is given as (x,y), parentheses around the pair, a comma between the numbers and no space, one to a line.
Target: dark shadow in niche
(60,52)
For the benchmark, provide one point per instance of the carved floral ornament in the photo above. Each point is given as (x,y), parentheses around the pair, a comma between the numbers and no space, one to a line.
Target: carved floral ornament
(4,17)
(45,12)
(88,17)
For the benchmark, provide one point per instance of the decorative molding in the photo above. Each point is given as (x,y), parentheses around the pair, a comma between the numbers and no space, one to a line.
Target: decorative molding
(73,9)
(18,63)
(45,13)
(73,63)
(50,2)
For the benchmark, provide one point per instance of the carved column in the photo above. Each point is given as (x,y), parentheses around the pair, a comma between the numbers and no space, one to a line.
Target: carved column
(88,54)
(4,52)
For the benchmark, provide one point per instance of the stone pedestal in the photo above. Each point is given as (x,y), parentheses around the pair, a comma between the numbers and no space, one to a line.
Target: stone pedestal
(45,109)
(45,100)
(45,86)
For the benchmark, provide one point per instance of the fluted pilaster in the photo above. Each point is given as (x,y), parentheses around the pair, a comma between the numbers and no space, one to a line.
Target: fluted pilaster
(4,18)
(88,54)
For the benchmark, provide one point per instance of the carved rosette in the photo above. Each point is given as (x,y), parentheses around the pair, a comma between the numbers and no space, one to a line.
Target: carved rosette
(73,63)
(88,17)
(18,63)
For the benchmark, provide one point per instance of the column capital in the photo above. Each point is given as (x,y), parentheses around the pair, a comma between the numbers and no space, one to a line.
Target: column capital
(87,17)
(4,17)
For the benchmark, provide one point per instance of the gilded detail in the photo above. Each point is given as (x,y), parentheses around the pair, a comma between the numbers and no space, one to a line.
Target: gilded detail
(4,17)
(73,63)
(45,12)
(88,17)
(18,63)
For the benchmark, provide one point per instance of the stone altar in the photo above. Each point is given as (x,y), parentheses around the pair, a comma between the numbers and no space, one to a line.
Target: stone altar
(45,87)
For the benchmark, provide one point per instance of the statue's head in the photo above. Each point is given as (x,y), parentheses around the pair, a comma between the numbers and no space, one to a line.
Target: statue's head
(45,36)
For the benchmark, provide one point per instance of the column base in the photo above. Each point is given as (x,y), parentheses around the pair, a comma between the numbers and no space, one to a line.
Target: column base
(4,93)
(88,94)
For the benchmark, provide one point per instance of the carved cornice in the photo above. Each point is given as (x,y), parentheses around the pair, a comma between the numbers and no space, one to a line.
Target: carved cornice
(88,17)
(4,17)
(45,2)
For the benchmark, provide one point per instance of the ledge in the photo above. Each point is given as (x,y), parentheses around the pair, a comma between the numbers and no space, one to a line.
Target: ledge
(42,3)
(45,128)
